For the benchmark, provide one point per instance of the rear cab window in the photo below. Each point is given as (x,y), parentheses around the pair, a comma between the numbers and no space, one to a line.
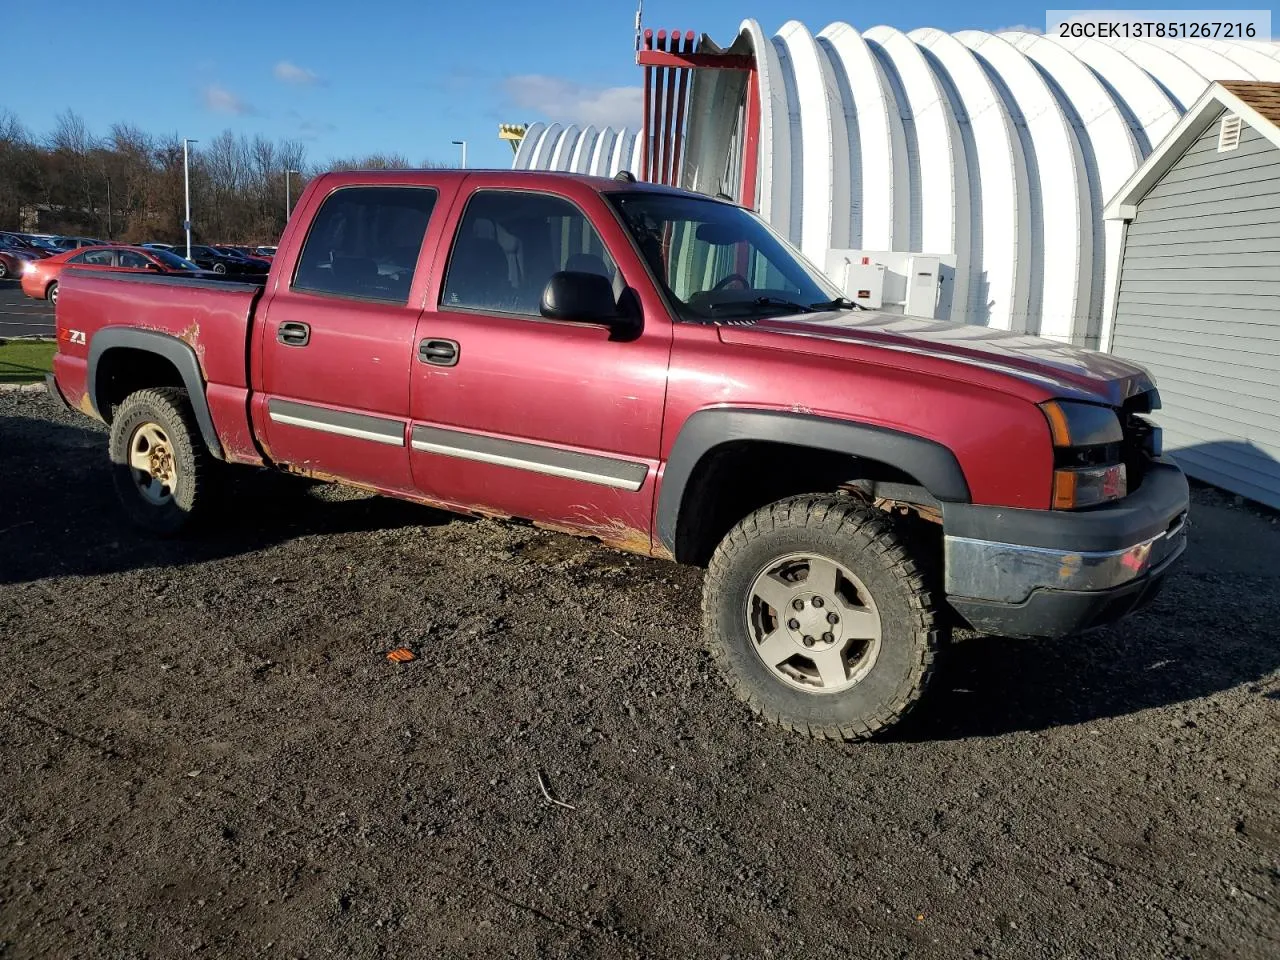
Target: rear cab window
(364,242)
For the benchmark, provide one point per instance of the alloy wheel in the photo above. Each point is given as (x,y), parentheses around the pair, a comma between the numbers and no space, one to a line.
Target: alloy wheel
(813,623)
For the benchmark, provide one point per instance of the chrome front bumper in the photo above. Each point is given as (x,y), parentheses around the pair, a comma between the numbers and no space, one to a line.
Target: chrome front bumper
(1009,573)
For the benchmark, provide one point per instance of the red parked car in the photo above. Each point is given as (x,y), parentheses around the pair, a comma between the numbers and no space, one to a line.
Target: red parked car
(15,253)
(658,370)
(40,280)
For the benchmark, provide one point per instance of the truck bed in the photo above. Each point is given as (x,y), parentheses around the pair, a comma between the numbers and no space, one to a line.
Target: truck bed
(111,310)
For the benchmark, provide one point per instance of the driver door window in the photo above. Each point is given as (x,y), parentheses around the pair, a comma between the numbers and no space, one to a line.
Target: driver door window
(509,244)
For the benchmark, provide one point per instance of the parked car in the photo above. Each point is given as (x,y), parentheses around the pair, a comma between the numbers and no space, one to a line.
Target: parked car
(42,280)
(158,246)
(661,371)
(215,260)
(18,241)
(16,251)
(244,252)
(13,262)
(73,243)
(40,241)
(267,253)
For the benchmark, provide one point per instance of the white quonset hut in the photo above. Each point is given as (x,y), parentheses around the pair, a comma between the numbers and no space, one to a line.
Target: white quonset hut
(1198,297)
(975,165)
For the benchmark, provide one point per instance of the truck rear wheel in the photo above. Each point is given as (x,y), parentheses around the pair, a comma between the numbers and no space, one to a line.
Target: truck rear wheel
(159,463)
(820,618)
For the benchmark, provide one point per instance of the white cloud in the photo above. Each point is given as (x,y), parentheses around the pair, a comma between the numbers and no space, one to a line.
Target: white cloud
(221,100)
(287,72)
(559,99)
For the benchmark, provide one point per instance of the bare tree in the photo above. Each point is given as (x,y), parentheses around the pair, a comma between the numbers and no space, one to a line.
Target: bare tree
(18,174)
(373,161)
(72,147)
(62,181)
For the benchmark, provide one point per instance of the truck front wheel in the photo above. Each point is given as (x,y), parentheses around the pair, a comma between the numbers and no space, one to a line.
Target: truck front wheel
(820,618)
(159,463)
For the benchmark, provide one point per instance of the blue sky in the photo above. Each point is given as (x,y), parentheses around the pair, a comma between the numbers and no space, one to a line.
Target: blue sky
(404,76)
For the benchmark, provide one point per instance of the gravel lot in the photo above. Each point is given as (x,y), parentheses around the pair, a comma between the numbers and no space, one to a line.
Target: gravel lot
(203,750)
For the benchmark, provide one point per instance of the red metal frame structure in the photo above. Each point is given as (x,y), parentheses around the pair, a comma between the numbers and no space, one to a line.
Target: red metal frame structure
(667,60)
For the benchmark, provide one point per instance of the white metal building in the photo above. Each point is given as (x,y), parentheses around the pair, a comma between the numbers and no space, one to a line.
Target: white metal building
(984,158)
(1198,295)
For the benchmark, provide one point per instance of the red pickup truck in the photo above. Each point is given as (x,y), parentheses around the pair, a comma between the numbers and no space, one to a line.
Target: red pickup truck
(661,371)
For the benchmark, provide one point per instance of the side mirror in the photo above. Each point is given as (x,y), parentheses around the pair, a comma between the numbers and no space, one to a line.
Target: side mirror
(580,297)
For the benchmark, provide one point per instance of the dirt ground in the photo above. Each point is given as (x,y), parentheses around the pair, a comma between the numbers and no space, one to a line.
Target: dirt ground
(204,751)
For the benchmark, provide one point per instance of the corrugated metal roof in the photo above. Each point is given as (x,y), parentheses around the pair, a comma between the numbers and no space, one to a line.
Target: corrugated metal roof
(996,150)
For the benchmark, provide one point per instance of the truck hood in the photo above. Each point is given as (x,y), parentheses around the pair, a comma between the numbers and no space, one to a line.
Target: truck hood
(1065,371)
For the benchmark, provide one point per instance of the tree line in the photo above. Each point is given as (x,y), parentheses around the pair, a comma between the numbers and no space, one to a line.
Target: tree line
(128,185)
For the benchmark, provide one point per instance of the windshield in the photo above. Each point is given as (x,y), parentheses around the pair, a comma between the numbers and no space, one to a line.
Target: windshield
(171,260)
(719,261)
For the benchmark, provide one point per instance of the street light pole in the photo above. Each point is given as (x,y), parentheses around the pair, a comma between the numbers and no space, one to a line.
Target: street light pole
(463,145)
(186,183)
(109,231)
(287,201)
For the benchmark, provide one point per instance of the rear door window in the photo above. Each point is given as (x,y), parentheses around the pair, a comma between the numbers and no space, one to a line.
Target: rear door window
(364,243)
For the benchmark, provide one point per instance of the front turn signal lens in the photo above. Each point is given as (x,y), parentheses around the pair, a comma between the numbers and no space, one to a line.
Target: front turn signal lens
(1089,487)
(1059,429)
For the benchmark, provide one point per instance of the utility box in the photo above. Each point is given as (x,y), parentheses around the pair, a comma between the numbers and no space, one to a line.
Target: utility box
(893,281)
(863,283)
(922,286)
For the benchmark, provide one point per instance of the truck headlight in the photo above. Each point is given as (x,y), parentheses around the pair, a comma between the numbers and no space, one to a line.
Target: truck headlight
(1088,467)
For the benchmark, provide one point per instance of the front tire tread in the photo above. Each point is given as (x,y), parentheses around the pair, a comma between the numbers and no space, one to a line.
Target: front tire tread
(868,530)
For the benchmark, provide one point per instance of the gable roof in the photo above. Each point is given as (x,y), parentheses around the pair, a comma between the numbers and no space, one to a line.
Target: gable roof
(1255,102)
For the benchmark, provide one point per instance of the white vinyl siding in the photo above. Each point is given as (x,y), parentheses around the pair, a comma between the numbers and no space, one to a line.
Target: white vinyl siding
(1199,306)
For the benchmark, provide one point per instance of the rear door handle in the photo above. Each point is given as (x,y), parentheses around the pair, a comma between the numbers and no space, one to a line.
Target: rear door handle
(294,334)
(441,353)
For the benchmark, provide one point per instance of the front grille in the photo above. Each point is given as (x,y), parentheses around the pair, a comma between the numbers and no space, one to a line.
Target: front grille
(1138,445)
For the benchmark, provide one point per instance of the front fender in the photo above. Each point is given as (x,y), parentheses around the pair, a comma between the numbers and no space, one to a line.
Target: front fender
(931,464)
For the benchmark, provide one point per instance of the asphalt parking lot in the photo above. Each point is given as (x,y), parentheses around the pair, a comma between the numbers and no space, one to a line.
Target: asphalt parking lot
(21,317)
(205,751)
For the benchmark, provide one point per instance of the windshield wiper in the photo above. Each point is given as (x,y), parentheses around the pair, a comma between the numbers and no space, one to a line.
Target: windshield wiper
(762,302)
(839,303)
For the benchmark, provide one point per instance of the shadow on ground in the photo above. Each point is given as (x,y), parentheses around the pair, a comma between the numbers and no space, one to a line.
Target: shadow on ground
(1210,630)
(61,518)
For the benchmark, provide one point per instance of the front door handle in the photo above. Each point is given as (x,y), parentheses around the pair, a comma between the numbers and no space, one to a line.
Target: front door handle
(294,334)
(440,353)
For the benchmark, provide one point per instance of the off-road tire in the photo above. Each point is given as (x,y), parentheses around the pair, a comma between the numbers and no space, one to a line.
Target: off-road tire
(170,409)
(864,541)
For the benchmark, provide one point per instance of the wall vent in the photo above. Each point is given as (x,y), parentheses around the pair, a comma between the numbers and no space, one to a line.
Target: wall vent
(1229,133)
